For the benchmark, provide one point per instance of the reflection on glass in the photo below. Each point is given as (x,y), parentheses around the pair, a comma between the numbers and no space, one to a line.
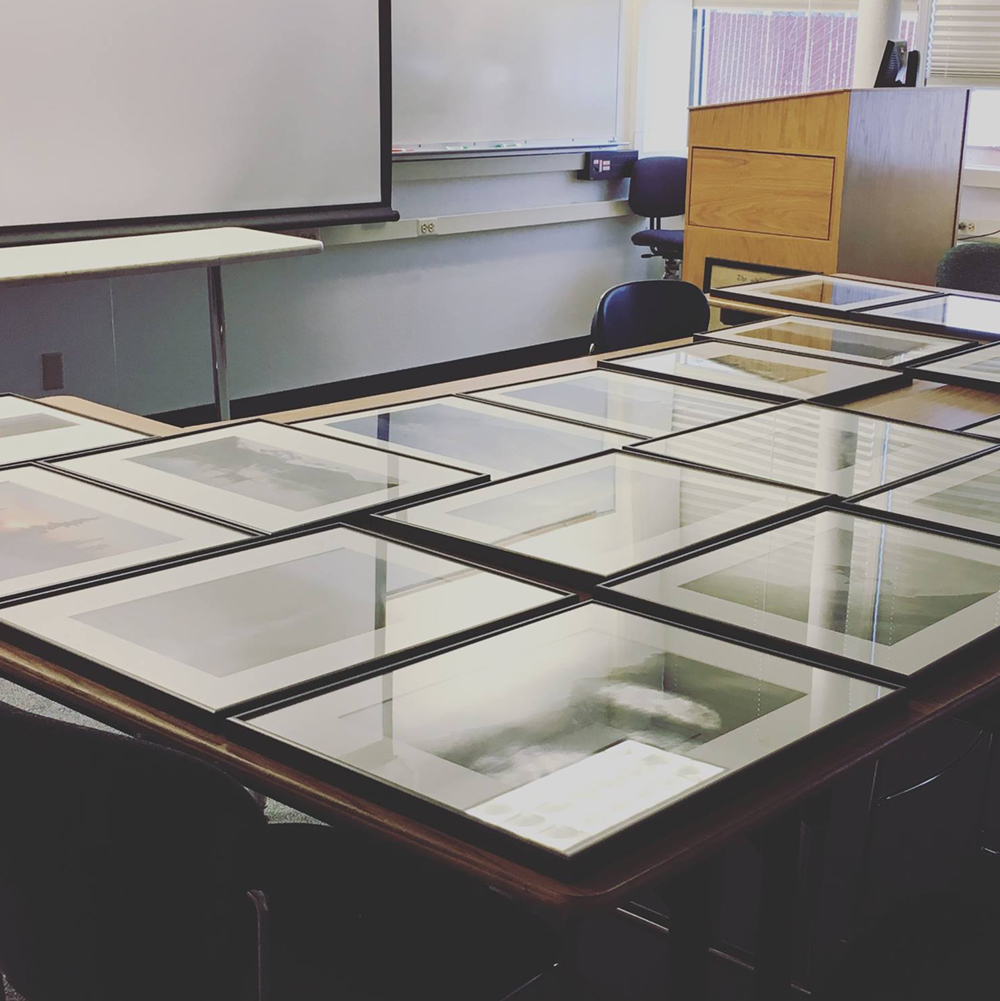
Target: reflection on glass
(241,625)
(967,496)
(475,435)
(626,403)
(745,369)
(819,290)
(982,364)
(988,429)
(819,448)
(604,514)
(567,729)
(893,597)
(829,338)
(289,479)
(267,476)
(954,311)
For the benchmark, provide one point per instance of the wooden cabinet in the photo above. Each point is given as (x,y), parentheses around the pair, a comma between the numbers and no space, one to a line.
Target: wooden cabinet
(862,181)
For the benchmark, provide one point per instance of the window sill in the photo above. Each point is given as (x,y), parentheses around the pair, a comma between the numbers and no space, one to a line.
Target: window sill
(981,177)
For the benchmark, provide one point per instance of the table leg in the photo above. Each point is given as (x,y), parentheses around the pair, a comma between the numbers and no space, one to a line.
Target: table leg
(693,898)
(777,936)
(217,320)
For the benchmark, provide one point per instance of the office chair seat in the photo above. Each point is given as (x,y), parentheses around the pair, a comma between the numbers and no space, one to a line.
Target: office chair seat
(125,869)
(666,242)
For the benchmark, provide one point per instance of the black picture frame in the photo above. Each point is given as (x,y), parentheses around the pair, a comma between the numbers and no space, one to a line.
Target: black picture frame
(892,379)
(549,572)
(192,711)
(955,657)
(472,831)
(979,336)
(989,445)
(465,398)
(474,479)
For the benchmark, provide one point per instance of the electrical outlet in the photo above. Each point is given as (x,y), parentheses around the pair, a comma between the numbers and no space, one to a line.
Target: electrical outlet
(966,227)
(426,227)
(52,371)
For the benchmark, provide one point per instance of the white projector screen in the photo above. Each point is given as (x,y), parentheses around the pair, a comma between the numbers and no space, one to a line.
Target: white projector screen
(129,117)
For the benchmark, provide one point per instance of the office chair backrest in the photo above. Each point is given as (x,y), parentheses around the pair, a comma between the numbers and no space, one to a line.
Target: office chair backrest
(971,267)
(658,185)
(122,873)
(640,313)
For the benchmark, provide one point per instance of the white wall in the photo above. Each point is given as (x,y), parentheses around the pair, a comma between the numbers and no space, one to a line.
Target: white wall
(142,343)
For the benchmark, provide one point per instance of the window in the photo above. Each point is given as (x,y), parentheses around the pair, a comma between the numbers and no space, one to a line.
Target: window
(745,51)
(983,128)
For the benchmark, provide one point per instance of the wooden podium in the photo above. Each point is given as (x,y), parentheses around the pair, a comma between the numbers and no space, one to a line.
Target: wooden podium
(858,181)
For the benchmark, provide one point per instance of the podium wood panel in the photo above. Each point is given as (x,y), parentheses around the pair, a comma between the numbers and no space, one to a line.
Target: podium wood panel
(781,193)
(895,158)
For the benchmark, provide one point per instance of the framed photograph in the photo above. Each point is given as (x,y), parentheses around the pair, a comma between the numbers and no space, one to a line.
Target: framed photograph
(763,374)
(820,293)
(597,516)
(946,314)
(980,367)
(267,477)
(226,630)
(880,598)
(988,429)
(846,342)
(634,405)
(965,497)
(720,273)
(819,448)
(31,430)
(564,731)
(56,530)
(493,440)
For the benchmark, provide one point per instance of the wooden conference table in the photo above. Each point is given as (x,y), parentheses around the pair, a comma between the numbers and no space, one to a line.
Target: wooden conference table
(670,852)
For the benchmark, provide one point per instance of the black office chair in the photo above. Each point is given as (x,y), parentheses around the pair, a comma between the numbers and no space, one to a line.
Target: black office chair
(971,267)
(657,191)
(639,313)
(128,870)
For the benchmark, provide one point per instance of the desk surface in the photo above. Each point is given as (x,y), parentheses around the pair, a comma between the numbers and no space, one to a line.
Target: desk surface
(132,255)
(669,845)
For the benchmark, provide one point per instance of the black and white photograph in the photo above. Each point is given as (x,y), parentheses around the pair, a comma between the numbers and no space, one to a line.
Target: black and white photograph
(890,598)
(266,476)
(566,730)
(490,439)
(55,529)
(244,625)
(964,497)
(30,430)
(819,448)
(626,403)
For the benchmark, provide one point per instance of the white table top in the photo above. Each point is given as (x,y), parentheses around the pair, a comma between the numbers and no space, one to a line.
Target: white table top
(130,255)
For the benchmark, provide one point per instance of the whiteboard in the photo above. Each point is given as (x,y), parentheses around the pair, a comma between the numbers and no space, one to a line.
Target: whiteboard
(125,110)
(532,72)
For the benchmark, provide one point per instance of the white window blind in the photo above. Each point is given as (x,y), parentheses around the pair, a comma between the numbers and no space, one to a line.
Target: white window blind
(965,43)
